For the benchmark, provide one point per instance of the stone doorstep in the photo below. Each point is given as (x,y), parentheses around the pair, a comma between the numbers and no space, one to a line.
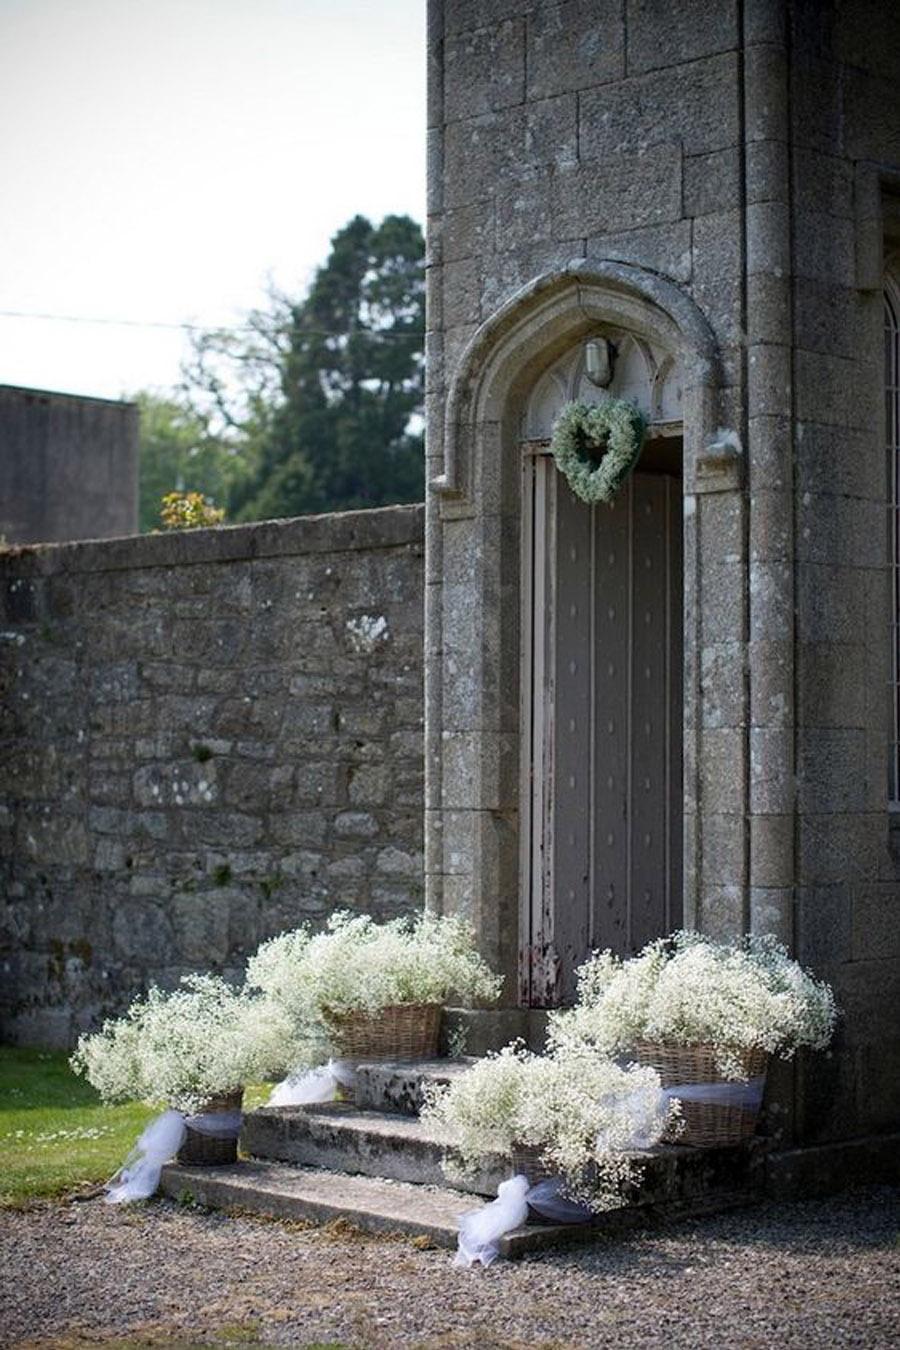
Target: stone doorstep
(341,1138)
(377,1205)
(372,1204)
(399,1085)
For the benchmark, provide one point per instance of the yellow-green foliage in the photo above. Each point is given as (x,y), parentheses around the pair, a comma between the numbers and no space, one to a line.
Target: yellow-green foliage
(188,510)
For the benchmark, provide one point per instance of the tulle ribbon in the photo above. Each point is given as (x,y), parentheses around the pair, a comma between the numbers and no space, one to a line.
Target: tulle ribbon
(315,1085)
(481,1231)
(745,1095)
(138,1177)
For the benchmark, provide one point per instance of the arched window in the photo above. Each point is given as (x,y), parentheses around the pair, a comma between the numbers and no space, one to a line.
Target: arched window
(892,437)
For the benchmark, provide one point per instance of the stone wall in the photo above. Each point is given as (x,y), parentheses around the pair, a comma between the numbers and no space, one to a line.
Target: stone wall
(844,118)
(68,467)
(569,140)
(207,737)
(732,161)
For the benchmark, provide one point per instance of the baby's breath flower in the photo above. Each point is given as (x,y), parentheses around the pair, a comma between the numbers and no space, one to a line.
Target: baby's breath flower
(357,965)
(688,990)
(181,1048)
(585,1114)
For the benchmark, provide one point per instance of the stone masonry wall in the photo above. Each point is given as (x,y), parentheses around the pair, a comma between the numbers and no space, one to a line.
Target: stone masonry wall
(207,737)
(596,130)
(845,149)
(741,152)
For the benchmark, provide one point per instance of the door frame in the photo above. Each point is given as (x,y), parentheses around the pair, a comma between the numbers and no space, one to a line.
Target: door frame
(473,606)
(540,965)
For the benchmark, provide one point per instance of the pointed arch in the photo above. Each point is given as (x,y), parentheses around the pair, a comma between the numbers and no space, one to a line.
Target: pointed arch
(474,601)
(549,314)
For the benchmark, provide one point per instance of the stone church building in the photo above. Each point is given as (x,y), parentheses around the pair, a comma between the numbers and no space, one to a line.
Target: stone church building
(681,709)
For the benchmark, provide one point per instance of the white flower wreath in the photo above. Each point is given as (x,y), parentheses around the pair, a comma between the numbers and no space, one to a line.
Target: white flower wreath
(596,446)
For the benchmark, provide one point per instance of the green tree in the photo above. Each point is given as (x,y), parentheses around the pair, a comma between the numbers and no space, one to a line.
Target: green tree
(323,396)
(178,452)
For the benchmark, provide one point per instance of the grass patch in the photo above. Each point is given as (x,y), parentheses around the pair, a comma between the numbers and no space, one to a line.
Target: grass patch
(55,1134)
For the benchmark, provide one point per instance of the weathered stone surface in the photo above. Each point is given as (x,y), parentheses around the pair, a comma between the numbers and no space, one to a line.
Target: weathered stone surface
(664,248)
(481,151)
(840,848)
(722,759)
(712,182)
(675,1183)
(662,36)
(368,1142)
(766,171)
(461,15)
(371,1204)
(574,45)
(722,678)
(696,103)
(620,193)
(876,930)
(831,603)
(723,849)
(824,916)
(493,60)
(264,772)
(401,1087)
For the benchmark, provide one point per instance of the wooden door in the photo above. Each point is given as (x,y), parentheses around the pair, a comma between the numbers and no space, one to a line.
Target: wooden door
(602,710)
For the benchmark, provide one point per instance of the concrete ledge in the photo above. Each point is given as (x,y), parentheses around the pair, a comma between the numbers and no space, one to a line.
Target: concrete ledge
(343,1139)
(400,1087)
(802,1172)
(373,1204)
(376,1205)
(337,532)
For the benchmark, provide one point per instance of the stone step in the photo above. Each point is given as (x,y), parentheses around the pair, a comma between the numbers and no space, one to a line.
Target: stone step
(343,1138)
(372,1204)
(399,1086)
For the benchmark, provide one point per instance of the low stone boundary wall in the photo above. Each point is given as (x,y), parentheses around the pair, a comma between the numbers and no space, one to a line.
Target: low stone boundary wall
(206,737)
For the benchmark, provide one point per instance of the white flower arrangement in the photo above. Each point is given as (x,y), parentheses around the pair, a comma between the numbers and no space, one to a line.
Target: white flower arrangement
(181,1048)
(584,1113)
(596,446)
(688,990)
(358,965)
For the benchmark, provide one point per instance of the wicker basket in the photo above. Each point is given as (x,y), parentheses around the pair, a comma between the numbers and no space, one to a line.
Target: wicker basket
(527,1160)
(405,1031)
(706,1124)
(208,1150)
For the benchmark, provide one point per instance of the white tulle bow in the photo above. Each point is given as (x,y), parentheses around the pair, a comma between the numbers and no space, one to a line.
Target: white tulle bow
(481,1230)
(138,1177)
(314,1085)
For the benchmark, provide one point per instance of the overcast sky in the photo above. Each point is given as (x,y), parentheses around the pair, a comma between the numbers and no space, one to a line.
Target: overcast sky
(159,159)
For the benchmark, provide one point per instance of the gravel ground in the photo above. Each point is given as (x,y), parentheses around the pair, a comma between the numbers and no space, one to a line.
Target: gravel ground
(819,1273)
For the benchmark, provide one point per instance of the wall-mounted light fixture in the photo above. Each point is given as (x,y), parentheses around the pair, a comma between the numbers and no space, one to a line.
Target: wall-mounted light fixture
(598,362)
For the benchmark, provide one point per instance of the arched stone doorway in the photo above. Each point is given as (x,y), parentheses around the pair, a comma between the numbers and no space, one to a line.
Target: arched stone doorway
(478,742)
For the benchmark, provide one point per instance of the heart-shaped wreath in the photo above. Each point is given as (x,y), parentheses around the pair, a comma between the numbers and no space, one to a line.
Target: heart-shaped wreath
(596,446)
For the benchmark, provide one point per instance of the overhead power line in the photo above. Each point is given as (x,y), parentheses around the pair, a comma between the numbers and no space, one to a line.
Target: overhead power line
(185,327)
